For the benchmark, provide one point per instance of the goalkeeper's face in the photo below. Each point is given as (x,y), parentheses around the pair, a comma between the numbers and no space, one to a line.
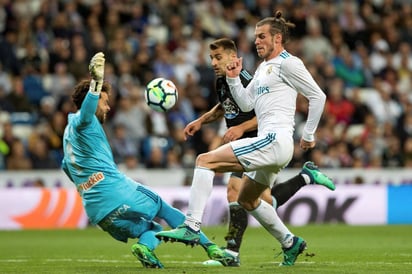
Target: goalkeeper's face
(103,107)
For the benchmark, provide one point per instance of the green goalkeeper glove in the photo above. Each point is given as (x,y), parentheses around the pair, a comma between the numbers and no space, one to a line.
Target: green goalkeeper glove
(96,69)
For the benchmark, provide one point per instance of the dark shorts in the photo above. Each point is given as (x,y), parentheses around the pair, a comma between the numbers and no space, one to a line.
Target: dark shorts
(237,174)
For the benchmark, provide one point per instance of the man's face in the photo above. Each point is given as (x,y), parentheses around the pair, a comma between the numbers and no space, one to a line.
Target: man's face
(220,58)
(264,42)
(103,107)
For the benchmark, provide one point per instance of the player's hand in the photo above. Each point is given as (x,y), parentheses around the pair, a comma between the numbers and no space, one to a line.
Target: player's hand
(96,67)
(234,67)
(192,128)
(233,133)
(306,145)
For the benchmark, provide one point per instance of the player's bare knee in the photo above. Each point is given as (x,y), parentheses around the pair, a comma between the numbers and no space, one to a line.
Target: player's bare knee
(248,205)
(202,160)
(232,194)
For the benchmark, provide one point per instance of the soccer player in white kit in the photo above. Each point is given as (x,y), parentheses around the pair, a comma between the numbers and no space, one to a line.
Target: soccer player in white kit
(272,94)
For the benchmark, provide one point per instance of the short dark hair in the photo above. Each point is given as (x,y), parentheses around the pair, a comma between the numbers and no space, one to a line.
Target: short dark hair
(278,24)
(81,89)
(225,43)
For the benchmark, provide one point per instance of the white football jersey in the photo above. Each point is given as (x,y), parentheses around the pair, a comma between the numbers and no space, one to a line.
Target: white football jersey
(272,94)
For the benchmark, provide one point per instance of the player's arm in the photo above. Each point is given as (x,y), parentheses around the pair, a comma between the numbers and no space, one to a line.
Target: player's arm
(89,105)
(235,132)
(212,115)
(243,96)
(298,76)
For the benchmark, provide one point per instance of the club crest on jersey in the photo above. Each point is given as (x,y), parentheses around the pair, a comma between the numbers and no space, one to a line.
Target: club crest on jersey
(231,110)
(269,70)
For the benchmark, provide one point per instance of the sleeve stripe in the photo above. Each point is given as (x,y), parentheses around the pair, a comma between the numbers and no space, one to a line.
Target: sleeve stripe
(246,75)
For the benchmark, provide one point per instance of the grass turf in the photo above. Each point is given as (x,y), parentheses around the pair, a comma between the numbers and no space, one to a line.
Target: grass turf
(331,249)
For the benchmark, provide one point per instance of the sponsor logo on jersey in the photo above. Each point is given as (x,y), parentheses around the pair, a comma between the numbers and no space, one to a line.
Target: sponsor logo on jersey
(262,90)
(92,181)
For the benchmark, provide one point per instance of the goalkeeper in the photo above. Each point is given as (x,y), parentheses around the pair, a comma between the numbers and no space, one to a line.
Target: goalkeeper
(120,206)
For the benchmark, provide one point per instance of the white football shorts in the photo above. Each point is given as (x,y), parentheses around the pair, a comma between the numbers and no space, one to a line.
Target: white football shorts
(264,156)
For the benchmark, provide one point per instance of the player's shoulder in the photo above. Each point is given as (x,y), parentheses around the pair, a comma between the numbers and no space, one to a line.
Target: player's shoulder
(288,61)
(286,57)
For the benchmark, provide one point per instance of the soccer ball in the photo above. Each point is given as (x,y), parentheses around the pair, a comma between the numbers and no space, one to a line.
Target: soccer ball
(161,94)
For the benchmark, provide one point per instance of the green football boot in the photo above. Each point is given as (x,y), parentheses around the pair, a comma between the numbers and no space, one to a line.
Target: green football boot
(317,177)
(182,233)
(291,254)
(146,256)
(222,256)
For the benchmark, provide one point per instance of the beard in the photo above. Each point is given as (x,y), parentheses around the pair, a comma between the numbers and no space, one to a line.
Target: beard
(267,52)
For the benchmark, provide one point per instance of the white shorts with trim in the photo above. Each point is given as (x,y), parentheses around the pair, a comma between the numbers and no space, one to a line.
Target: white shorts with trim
(264,156)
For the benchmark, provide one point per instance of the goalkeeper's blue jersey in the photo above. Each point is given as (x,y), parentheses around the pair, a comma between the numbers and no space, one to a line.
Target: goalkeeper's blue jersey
(88,162)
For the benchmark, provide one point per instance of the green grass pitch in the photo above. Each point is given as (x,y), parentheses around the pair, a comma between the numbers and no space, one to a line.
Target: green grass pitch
(331,249)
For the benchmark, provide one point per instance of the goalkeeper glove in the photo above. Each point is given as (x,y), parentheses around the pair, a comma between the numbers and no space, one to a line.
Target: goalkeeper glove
(96,69)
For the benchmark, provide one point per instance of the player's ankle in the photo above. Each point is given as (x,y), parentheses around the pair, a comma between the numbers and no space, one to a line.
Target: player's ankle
(192,223)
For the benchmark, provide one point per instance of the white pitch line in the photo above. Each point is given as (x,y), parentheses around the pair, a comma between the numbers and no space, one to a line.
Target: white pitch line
(200,263)
(86,260)
(13,260)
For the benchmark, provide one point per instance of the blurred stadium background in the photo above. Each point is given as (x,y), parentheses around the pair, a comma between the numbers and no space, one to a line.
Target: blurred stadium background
(358,51)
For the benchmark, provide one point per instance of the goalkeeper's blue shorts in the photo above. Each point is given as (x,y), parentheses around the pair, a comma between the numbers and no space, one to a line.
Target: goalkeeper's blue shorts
(135,216)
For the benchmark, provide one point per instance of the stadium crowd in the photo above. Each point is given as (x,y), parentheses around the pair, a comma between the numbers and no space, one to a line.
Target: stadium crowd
(358,51)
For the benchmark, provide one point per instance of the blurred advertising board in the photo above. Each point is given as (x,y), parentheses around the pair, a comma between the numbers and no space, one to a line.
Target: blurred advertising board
(47,208)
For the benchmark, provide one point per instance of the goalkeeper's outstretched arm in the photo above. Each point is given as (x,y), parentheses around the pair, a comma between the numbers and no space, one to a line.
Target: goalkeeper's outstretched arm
(89,105)
(96,70)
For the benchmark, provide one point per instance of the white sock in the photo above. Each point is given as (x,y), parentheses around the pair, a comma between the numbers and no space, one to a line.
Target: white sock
(202,185)
(231,252)
(233,204)
(288,241)
(306,178)
(274,202)
(269,219)
(193,223)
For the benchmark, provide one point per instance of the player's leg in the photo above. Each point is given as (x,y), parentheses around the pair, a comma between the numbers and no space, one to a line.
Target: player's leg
(310,174)
(138,224)
(238,220)
(175,217)
(238,217)
(143,250)
(126,222)
(267,216)
(151,205)
(221,159)
(282,192)
(142,208)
